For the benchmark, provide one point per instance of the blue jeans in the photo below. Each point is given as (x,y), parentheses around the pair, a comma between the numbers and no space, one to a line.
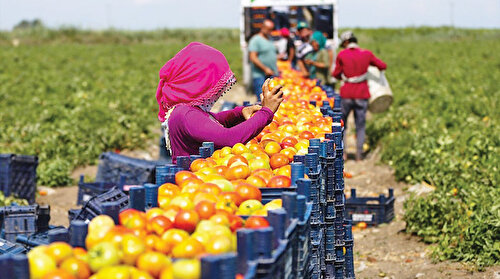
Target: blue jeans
(257,86)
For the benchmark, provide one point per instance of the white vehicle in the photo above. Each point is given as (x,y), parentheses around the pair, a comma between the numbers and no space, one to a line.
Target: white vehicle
(250,16)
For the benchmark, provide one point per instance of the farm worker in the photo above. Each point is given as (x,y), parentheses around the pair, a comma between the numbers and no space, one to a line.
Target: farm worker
(190,83)
(285,45)
(302,45)
(315,64)
(263,55)
(351,66)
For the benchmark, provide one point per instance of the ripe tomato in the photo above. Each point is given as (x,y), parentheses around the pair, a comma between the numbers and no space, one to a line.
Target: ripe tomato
(265,174)
(168,189)
(174,236)
(278,161)
(210,188)
(256,181)
(183,175)
(279,181)
(221,170)
(78,268)
(189,248)
(272,148)
(205,209)
(159,224)
(58,274)
(232,196)
(289,152)
(239,148)
(198,164)
(238,172)
(235,222)
(237,158)
(59,251)
(186,220)
(306,135)
(171,211)
(153,262)
(150,241)
(261,155)
(220,219)
(249,192)
(191,181)
(288,142)
(254,222)
(285,170)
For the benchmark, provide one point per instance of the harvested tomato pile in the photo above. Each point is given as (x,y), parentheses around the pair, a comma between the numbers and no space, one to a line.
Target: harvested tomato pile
(199,213)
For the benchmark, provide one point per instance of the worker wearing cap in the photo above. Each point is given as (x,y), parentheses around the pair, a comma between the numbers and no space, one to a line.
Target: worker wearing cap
(351,66)
(303,46)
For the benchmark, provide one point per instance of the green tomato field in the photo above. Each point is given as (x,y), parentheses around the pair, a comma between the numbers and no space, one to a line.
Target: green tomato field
(69,95)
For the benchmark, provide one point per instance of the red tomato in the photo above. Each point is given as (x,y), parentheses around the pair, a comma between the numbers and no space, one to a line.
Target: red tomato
(278,160)
(183,175)
(186,220)
(236,222)
(289,142)
(306,135)
(168,189)
(159,224)
(205,209)
(221,170)
(238,172)
(265,174)
(255,222)
(210,188)
(249,192)
(279,181)
(256,181)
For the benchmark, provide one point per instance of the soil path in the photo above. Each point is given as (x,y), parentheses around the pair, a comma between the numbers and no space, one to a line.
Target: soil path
(380,252)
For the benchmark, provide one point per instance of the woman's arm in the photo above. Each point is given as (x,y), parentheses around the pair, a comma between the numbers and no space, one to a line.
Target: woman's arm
(201,128)
(303,68)
(229,118)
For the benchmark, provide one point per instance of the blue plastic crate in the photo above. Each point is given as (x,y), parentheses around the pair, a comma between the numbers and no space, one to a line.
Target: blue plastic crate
(37,239)
(94,208)
(18,176)
(72,213)
(19,220)
(7,247)
(219,266)
(269,194)
(88,190)
(363,209)
(304,241)
(113,166)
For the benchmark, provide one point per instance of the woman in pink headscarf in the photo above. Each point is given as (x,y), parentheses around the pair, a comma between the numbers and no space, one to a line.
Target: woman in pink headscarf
(190,83)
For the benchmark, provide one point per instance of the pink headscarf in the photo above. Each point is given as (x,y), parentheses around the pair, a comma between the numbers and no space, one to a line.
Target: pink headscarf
(197,75)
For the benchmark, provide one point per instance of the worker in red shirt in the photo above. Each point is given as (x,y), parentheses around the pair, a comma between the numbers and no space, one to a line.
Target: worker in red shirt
(351,66)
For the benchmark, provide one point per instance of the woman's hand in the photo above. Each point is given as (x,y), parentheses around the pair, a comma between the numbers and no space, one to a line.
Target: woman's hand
(249,111)
(271,98)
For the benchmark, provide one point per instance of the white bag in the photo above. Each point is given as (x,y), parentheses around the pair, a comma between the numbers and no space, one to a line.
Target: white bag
(380,91)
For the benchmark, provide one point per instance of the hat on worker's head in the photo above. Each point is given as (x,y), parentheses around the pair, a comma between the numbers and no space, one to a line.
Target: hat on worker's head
(302,25)
(346,36)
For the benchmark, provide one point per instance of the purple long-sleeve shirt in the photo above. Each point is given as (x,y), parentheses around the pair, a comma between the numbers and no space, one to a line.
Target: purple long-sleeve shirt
(190,126)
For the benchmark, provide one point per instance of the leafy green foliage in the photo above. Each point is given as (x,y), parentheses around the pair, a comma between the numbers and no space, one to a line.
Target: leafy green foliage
(67,102)
(444,129)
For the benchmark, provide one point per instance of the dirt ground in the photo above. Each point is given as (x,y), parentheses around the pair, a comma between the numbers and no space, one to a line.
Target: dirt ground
(385,251)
